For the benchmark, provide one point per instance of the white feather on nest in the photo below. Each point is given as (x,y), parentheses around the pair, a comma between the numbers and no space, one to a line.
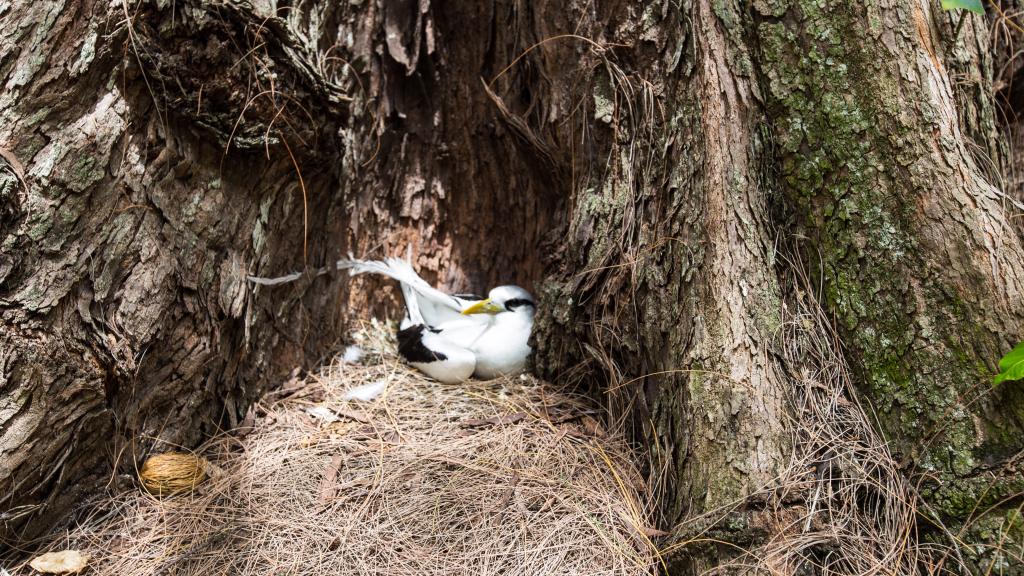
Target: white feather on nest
(366,392)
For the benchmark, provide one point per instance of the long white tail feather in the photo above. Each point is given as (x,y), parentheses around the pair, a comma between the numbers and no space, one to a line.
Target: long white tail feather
(442,307)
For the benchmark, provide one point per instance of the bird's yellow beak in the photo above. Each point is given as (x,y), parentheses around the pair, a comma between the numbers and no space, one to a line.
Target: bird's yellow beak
(483,307)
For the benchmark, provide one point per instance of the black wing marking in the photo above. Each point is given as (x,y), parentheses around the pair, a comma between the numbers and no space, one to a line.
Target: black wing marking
(411,347)
(474,297)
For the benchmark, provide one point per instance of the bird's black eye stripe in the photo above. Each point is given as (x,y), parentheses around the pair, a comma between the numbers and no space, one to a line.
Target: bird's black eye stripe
(517,302)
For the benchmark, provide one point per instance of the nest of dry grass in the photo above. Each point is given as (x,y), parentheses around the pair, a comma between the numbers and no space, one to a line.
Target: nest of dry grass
(508,476)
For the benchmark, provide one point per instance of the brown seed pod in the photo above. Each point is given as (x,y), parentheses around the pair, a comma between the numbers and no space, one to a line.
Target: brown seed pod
(172,473)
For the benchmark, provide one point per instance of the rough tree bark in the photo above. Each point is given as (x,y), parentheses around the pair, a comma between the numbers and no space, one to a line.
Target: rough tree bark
(128,227)
(918,258)
(643,167)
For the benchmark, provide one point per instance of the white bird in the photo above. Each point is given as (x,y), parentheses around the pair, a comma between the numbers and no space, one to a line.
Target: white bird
(453,337)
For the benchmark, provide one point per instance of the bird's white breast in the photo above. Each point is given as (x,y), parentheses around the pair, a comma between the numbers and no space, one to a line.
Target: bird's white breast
(503,348)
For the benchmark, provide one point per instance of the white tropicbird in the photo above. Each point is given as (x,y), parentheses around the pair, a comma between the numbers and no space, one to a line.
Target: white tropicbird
(453,337)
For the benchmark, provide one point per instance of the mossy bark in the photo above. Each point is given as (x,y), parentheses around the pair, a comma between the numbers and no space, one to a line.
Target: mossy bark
(912,244)
(848,111)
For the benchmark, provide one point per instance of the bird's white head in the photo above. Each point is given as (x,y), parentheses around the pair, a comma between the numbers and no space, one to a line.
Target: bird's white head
(504,299)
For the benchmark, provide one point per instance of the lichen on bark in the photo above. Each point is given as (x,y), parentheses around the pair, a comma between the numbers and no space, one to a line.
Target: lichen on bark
(907,231)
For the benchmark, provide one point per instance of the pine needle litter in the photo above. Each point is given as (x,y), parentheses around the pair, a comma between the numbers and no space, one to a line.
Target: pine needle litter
(509,477)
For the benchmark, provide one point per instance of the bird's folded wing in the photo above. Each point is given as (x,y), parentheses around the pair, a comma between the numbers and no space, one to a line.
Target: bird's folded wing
(464,331)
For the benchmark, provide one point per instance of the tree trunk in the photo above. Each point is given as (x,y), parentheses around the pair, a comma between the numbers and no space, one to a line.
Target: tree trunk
(661,174)
(129,225)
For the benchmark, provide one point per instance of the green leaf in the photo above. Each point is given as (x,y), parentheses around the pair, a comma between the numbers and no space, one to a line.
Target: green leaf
(972,5)
(1011,366)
